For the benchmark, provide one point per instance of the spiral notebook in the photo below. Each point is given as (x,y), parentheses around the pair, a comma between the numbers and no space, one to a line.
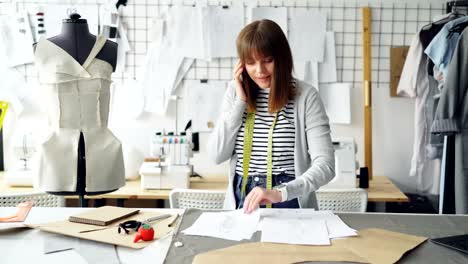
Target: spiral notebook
(103,216)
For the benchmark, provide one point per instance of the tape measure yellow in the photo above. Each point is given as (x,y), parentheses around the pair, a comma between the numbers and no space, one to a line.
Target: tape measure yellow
(248,138)
(3,109)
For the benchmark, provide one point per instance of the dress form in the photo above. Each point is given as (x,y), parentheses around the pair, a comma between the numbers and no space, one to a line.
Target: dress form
(77,41)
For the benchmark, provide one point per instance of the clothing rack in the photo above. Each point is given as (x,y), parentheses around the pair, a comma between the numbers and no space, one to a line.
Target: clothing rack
(451,4)
(447,177)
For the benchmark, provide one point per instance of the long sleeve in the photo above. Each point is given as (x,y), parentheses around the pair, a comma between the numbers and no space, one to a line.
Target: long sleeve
(449,114)
(223,138)
(320,150)
(414,70)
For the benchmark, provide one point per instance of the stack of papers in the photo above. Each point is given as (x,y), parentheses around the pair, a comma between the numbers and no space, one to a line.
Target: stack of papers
(289,226)
(232,225)
(302,226)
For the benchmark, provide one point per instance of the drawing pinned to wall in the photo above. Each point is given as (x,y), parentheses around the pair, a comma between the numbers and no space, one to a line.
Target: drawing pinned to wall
(312,74)
(16,40)
(202,102)
(159,78)
(186,22)
(221,25)
(277,14)
(13,89)
(307,71)
(307,30)
(161,68)
(327,68)
(168,57)
(336,98)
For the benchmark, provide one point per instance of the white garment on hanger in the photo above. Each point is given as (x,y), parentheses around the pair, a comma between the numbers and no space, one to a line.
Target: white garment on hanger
(109,21)
(78,101)
(414,83)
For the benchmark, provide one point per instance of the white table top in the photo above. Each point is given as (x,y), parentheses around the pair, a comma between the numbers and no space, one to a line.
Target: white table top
(27,245)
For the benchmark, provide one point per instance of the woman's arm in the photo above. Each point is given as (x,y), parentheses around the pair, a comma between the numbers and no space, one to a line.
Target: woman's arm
(321,153)
(223,138)
(320,148)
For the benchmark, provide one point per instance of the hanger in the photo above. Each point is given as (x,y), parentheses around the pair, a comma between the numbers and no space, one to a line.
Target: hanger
(457,29)
(454,12)
(451,16)
(121,2)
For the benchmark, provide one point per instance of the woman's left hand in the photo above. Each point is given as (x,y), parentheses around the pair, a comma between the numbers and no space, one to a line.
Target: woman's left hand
(260,196)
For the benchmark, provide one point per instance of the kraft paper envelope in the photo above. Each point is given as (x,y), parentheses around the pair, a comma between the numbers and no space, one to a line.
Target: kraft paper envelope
(109,234)
(371,246)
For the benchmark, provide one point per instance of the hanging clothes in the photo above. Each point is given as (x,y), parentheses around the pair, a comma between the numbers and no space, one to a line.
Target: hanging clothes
(417,82)
(441,48)
(78,102)
(430,36)
(452,117)
(414,83)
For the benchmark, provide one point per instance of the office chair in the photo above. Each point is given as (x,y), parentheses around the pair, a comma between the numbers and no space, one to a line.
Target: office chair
(40,199)
(199,199)
(342,200)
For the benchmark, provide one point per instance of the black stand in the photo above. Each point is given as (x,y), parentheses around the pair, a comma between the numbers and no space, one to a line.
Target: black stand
(81,173)
(447,177)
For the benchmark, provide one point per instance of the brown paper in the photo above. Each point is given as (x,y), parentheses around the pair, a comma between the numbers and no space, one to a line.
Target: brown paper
(276,254)
(379,245)
(103,216)
(371,246)
(109,234)
(397,61)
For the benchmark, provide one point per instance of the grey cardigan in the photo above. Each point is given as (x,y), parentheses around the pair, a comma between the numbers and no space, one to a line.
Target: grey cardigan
(314,159)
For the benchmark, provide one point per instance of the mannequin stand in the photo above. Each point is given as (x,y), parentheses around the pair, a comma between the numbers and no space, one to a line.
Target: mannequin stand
(81,183)
(76,40)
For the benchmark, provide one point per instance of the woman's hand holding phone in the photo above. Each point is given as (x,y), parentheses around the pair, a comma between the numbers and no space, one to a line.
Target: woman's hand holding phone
(238,81)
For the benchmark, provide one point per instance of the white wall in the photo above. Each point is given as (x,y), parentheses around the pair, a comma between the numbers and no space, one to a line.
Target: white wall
(392,123)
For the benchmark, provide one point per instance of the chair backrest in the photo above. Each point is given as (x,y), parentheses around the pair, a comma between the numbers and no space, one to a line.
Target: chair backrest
(40,199)
(342,200)
(199,199)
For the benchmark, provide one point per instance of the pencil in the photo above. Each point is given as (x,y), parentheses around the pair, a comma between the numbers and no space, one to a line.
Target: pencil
(173,221)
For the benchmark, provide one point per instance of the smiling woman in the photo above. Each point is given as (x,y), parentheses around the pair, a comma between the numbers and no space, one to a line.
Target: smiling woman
(273,128)
(267,65)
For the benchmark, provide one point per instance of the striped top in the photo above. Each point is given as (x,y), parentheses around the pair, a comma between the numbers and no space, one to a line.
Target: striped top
(283,139)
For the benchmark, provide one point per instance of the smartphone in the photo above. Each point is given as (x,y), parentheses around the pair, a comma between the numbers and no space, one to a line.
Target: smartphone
(245,80)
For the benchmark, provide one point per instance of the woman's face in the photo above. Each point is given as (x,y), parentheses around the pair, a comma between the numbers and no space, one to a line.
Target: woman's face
(261,70)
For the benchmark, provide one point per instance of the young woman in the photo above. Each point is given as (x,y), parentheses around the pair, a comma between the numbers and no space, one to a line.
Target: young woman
(273,128)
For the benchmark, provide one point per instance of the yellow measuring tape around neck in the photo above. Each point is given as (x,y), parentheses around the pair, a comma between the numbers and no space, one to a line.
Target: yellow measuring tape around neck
(3,109)
(248,138)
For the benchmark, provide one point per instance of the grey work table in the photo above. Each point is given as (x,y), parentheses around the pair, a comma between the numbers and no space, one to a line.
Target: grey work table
(415,224)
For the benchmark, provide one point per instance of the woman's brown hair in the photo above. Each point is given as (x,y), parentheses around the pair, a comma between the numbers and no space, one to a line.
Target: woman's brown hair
(264,38)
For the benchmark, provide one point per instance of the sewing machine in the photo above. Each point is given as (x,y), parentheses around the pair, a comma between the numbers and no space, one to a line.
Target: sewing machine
(170,167)
(345,164)
(22,172)
(155,175)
